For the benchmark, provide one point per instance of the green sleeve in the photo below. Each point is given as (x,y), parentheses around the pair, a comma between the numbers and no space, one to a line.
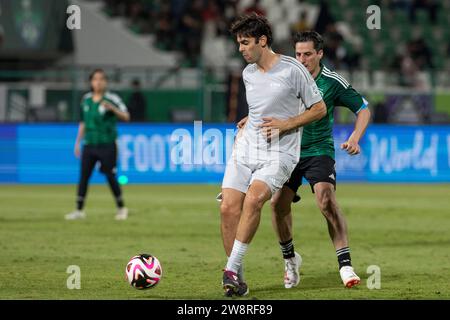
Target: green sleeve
(350,98)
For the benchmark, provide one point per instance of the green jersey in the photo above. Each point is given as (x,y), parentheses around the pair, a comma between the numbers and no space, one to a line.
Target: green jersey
(100,125)
(317,139)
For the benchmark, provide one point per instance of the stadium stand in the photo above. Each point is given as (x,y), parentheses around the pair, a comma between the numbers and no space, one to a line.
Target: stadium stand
(185,45)
(408,34)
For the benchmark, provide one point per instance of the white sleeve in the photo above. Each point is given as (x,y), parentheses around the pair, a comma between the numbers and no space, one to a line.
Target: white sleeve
(118,102)
(305,86)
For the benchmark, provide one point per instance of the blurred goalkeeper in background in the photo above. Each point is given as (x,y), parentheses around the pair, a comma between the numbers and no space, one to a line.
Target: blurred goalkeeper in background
(100,110)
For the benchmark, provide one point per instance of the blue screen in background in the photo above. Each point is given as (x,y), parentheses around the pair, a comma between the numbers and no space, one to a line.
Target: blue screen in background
(397,154)
(167,153)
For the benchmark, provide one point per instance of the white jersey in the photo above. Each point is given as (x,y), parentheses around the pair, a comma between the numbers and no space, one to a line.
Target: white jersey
(282,92)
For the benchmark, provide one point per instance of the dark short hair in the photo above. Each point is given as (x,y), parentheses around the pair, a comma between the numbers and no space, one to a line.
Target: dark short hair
(305,36)
(98,70)
(252,25)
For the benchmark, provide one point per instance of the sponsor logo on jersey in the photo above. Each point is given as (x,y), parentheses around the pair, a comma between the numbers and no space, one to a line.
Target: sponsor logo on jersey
(101,109)
(275,85)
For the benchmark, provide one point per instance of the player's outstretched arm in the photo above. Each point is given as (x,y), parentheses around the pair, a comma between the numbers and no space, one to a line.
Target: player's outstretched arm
(273,126)
(352,144)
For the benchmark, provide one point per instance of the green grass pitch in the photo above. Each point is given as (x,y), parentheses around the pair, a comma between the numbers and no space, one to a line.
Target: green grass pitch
(403,229)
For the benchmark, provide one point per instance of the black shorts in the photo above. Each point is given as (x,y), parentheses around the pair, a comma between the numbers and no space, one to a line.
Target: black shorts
(106,154)
(314,169)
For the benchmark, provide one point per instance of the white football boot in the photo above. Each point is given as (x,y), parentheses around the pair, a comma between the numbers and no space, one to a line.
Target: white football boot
(291,271)
(122,213)
(75,215)
(349,277)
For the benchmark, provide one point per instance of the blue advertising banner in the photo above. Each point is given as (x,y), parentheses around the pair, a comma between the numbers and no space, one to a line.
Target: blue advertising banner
(396,154)
(168,153)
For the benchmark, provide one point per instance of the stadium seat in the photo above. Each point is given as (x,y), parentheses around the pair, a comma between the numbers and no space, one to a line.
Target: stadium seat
(275,14)
(281,31)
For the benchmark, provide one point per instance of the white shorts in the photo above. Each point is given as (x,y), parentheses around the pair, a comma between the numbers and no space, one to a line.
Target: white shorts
(240,171)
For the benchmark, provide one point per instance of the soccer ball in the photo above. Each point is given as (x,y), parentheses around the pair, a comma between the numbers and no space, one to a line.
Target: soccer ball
(143,271)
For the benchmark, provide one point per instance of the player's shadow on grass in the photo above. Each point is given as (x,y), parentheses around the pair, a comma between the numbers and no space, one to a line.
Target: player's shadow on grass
(307,283)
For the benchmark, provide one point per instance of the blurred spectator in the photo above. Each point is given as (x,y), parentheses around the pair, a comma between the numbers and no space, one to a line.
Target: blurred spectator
(201,26)
(408,70)
(255,8)
(137,103)
(178,8)
(334,52)
(429,5)
(302,24)
(214,19)
(324,18)
(401,4)
(211,11)
(192,31)
(116,7)
(410,73)
(403,65)
(420,54)
(164,28)
(230,10)
(136,16)
(312,12)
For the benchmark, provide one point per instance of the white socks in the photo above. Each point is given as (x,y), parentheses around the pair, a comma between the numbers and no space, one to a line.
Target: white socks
(235,260)
(240,272)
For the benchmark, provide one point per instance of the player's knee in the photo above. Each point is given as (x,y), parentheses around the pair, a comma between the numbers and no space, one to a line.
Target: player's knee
(273,205)
(229,210)
(254,202)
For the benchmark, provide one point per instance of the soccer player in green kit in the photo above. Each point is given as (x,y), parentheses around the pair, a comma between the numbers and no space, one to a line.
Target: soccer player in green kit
(100,110)
(317,162)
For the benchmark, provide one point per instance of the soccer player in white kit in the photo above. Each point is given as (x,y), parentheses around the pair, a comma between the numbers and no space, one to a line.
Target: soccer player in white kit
(262,160)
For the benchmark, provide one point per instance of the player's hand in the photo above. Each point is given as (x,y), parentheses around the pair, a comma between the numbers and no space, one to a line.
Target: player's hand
(352,147)
(77,150)
(108,106)
(242,123)
(273,127)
